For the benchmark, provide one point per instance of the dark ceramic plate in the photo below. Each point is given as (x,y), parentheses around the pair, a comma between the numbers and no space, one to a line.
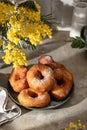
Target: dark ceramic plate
(53,104)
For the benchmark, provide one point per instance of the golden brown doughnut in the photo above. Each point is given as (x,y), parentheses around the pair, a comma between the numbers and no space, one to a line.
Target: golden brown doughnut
(63,77)
(63,85)
(17,78)
(45,59)
(57,67)
(40,78)
(48,60)
(30,98)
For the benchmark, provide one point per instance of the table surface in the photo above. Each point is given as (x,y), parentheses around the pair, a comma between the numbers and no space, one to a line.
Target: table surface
(76,108)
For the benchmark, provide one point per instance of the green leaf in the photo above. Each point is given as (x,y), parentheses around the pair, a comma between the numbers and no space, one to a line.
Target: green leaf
(6,1)
(28,4)
(47,19)
(3,30)
(77,42)
(26,44)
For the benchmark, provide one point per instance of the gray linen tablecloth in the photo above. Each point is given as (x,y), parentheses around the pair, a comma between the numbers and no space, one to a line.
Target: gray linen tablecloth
(8,109)
(76,108)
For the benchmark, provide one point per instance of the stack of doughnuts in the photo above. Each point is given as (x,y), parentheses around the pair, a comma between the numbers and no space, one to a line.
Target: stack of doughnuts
(41,83)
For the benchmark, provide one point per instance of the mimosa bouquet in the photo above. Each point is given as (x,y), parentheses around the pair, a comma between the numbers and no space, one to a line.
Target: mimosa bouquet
(21,26)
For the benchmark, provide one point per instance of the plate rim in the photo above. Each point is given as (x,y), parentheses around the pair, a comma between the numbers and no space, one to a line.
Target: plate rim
(42,108)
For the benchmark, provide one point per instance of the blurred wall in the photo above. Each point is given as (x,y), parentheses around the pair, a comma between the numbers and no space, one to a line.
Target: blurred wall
(51,5)
(60,9)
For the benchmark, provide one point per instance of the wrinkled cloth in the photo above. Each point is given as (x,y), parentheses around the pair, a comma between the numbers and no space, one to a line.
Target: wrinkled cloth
(8,109)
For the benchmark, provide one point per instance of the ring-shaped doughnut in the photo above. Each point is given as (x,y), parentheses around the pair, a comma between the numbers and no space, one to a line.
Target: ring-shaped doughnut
(63,85)
(17,79)
(48,60)
(63,77)
(40,78)
(30,98)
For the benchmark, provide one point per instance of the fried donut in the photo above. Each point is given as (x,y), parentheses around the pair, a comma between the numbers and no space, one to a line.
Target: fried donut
(63,77)
(17,78)
(40,78)
(45,59)
(63,85)
(48,60)
(57,67)
(30,98)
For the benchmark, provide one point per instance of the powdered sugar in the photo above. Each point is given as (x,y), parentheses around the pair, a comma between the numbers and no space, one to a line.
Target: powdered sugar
(48,58)
(48,72)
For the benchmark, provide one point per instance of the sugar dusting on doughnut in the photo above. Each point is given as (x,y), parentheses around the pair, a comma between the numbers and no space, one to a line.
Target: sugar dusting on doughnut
(45,59)
(39,78)
(40,82)
(61,74)
(30,98)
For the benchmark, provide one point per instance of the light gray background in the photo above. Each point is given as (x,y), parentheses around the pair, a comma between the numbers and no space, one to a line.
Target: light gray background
(61,10)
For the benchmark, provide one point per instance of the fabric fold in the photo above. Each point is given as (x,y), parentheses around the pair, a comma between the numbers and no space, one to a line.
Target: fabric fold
(8,109)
